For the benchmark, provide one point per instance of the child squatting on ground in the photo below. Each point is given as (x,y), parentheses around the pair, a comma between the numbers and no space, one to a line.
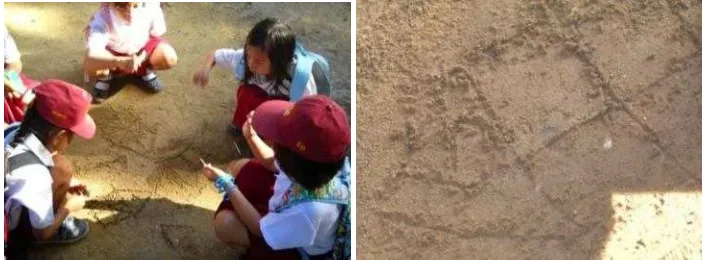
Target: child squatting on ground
(269,56)
(123,39)
(40,194)
(287,202)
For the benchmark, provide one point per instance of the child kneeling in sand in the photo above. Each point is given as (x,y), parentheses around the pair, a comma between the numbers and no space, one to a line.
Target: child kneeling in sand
(123,38)
(267,68)
(295,206)
(39,193)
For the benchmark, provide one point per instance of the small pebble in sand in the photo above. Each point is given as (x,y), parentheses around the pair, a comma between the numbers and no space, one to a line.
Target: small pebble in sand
(607,143)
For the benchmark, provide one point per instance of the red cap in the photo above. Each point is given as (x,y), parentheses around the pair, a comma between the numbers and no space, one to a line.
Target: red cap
(315,127)
(66,106)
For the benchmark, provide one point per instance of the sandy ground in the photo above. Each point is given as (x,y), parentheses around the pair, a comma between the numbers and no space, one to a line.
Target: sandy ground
(148,199)
(514,129)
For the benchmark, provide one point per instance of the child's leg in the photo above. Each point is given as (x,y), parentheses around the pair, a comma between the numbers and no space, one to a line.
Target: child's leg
(256,183)
(230,230)
(159,56)
(163,57)
(234,167)
(61,179)
(248,97)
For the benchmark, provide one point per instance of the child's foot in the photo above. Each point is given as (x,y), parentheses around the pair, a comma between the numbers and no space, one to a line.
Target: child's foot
(71,230)
(101,89)
(152,82)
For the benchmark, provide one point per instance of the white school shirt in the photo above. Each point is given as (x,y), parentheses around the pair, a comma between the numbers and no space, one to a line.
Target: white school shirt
(308,225)
(30,186)
(12,54)
(107,30)
(230,58)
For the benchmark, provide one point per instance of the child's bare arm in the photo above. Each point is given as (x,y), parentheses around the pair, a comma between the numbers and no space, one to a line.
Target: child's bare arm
(100,59)
(245,211)
(202,75)
(210,61)
(262,151)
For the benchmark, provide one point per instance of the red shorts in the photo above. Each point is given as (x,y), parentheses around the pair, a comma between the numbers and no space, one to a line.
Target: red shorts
(249,97)
(14,108)
(149,48)
(257,184)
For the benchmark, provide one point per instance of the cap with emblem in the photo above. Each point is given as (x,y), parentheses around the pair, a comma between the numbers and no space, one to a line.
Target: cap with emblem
(315,127)
(65,106)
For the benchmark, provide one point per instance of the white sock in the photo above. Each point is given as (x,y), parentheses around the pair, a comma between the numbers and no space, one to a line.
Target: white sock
(150,75)
(102,82)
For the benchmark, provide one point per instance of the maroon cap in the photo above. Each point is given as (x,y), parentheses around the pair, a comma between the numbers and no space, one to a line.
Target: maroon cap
(315,127)
(66,106)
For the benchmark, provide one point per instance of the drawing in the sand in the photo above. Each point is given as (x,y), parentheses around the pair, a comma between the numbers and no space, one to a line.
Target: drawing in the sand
(287,112)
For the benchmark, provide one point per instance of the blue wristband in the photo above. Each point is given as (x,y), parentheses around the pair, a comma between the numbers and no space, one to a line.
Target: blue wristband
(225,184)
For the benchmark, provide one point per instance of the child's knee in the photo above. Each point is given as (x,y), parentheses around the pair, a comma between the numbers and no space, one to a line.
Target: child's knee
(166,57)
(235,166)
(230,231)
(220,222)
(171,60)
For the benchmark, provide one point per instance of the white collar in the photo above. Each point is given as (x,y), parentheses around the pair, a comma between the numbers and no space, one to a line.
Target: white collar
(35,146)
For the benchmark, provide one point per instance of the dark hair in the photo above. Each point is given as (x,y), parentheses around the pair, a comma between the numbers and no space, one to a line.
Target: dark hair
(309,174)
(124,5)
(276,39)
(121,5)
(37,125)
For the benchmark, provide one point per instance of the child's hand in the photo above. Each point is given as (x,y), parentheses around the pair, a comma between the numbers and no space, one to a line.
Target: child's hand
(201,77)
(140,58)
(74,203)
(77,188)
(247,130)
(28,97)
(211,172)
(133,62)
(11,91)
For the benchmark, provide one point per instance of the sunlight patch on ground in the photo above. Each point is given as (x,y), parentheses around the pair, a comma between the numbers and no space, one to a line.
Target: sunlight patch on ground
(660,225)
(33,21)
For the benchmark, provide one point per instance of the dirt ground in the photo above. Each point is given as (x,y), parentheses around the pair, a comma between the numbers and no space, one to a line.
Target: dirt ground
(148,198)
(514,129)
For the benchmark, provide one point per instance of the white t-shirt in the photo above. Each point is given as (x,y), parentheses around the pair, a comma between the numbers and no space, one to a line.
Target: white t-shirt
(12,54)
(308,225)
(106,29)
(30,186)
(229,59)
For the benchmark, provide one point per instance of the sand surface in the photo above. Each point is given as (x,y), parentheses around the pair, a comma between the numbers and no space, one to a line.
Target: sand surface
(149,199)
(529,129)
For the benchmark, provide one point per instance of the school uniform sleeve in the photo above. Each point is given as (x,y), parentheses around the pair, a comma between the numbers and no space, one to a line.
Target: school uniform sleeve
(31,186)
(291,228)
(98,35)
(158,27)
(228,58)
(12,54)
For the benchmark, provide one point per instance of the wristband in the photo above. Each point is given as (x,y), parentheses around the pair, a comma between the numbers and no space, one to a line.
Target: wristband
(28,96)
(225,184)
